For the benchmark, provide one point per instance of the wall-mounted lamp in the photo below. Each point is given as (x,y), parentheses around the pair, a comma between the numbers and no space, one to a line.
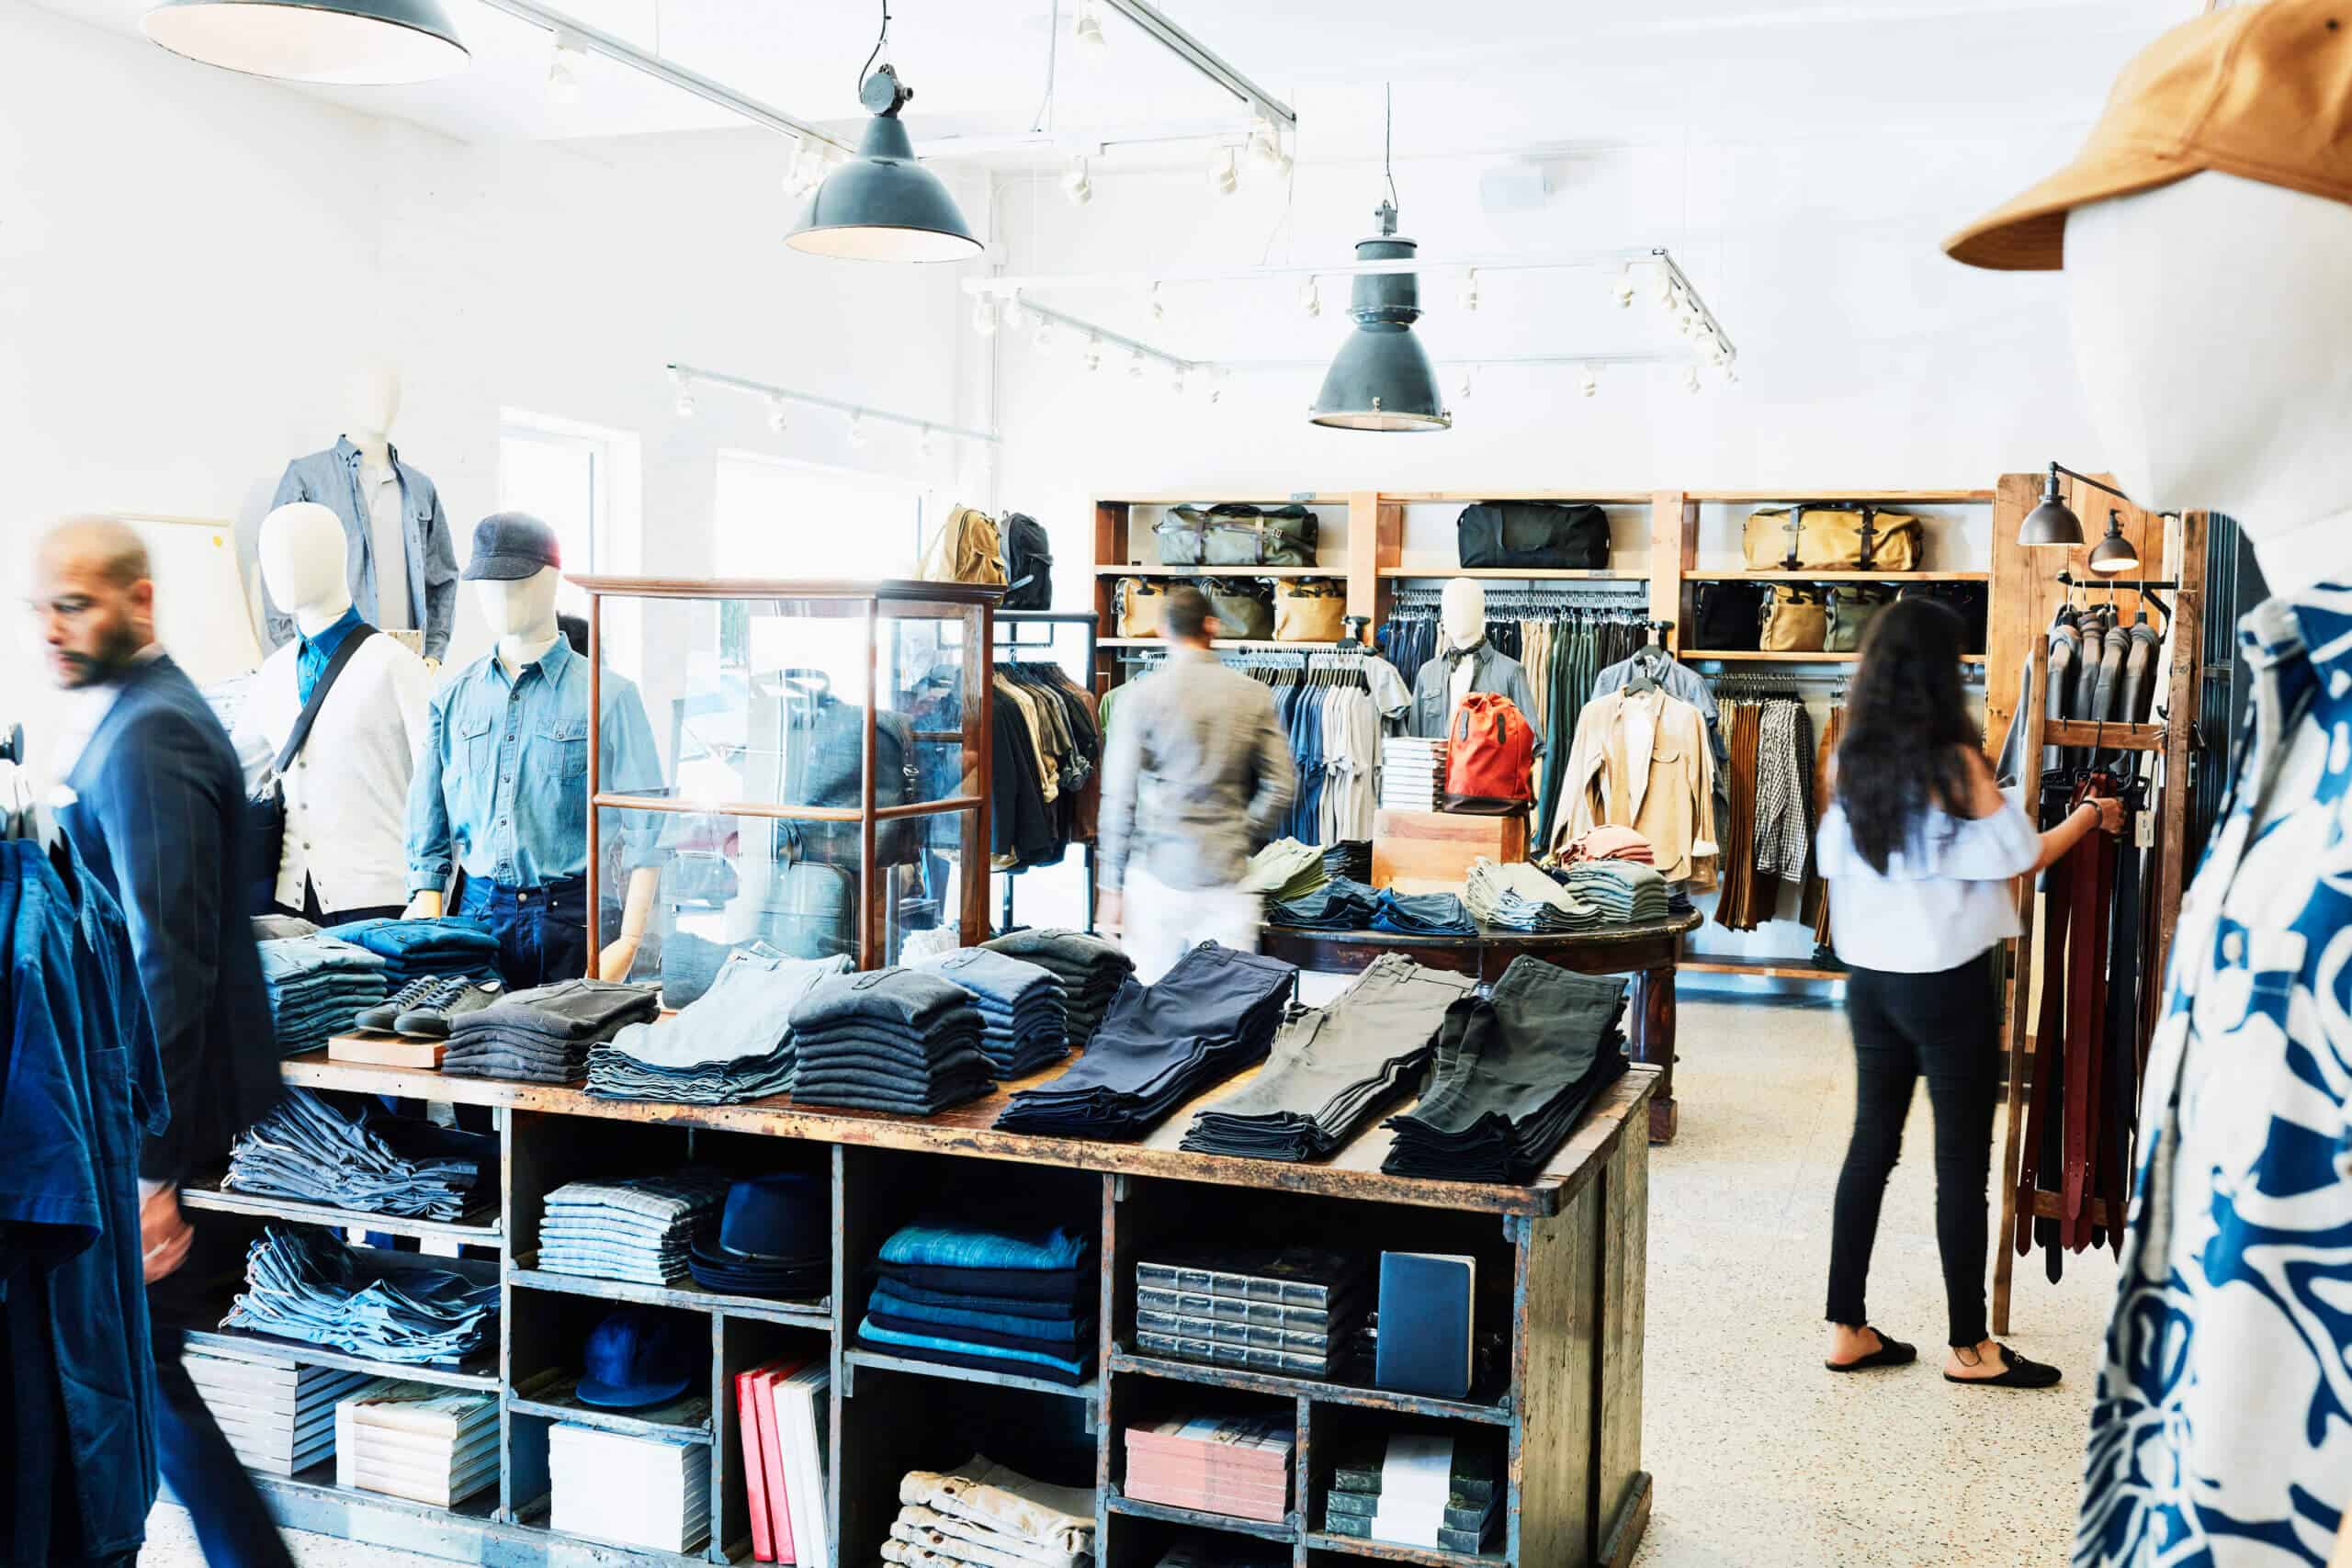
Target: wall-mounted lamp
(2053,521)
(2114,555)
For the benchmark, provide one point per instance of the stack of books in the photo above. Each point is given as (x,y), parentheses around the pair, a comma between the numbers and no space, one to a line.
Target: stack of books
(784,1416)
(650,1492)
(428,1445)
(1417,1489)
(1290,1312)
(1215,1464)
(278,1417)
(1412,774)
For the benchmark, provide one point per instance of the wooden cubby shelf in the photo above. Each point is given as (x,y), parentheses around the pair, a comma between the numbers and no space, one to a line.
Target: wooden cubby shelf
(479,1371)
(1396,1551)
(685,1294)
(479,1227)
(1089,1390)
(1133,570)
(1286,1532)
(1324,1393)
(1896,578)
(1506,574)
(556,1396)
(1753,656)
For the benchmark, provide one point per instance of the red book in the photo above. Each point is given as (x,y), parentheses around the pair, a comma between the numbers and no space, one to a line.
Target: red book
(755,1478)
(763,1383)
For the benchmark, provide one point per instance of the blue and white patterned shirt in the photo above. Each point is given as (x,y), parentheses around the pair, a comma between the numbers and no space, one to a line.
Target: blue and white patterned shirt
(2222,1433)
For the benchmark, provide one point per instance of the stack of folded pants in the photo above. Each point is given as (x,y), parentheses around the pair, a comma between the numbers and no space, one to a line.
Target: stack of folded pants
(437,949)
(1334,1067)
(1351,858)
(897,1040)
(544,1034)
(984,1515)
(640,1230)
(1422,914)
(734,1042)
(1025,1011)
(304,1284)
(1090,969)
(317,986)
(1284,870)
(1516,896)
(307,1151)
(1625,892)
(1212,1015)
(1515,1072)
(1341,903)
(1008,1302)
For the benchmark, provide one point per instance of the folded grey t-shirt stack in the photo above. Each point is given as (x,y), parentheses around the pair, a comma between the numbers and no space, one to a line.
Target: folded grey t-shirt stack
(543,1034)
(734,1042)
(640,1230)
(1090,969)
(888,1040)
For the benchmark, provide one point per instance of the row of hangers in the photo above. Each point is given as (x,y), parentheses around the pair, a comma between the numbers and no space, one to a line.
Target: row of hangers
(21,815)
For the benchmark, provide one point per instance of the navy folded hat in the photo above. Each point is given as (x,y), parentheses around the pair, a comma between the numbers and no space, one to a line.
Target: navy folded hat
(784,1218)
(509,546)
(636,1357)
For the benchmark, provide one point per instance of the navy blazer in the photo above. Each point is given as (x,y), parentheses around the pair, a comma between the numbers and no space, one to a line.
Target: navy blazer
(159,817)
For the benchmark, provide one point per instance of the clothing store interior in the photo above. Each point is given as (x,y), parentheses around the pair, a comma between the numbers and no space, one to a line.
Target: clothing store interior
(1121,784)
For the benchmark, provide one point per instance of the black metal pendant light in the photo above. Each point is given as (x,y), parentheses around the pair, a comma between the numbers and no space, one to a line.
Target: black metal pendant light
(1381,377)
(360,43)
(2053,521)
(882,204)
(2114,555)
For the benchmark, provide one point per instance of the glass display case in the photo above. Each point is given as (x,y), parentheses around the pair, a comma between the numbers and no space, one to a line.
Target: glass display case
(811,770)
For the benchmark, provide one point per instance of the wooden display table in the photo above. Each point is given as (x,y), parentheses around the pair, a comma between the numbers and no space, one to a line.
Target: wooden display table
(1649,953)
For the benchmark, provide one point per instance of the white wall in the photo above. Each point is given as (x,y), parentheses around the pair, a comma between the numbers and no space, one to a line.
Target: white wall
(191,262)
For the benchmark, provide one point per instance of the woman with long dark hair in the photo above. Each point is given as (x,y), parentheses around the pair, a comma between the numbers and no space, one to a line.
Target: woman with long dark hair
(1922,852)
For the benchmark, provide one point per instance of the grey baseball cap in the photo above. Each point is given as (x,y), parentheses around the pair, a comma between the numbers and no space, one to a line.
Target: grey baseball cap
(511,545)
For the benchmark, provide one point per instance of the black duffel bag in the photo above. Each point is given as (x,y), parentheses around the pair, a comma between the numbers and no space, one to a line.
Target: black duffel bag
(1972,601)
(1537,534)
(1730,617)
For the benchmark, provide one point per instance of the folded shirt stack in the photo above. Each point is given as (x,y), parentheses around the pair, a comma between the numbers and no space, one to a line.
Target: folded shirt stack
(1625,892)
(1024,1010)
(1611,840)
(1412,774)
(307,1151)
(1212,1015)
(985,1515)
(317,986)
(448,947)
(1515,1072)
(1005,1301)
(1422,914)
(544,1034)
(306,1284)
(1341,903)
(640,1230)
(1284,870)
(1334,1067)
(1090,969)
(1350,858)
(1518,897)
(734,1042)
(897,1040)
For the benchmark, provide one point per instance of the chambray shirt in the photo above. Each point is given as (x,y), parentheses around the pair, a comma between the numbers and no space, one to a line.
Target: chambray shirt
(501,786)
(311,660)
(332,479)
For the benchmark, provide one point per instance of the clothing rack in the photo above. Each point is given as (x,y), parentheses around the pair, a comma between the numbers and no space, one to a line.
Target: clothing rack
(1007,645)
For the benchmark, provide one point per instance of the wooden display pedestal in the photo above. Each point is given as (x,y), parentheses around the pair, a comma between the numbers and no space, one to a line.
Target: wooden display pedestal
(379,1048)
(1421,851)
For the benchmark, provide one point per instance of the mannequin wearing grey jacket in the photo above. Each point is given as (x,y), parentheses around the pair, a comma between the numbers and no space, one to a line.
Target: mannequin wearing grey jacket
(332,479)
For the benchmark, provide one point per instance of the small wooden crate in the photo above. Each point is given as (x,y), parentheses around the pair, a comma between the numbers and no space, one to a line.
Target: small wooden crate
(1427,851)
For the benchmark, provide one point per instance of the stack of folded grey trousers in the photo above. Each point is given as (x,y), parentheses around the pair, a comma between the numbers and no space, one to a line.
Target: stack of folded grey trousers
(640,1230)
(734,1042)
(543,1034)
(898,1040)
(1090,969)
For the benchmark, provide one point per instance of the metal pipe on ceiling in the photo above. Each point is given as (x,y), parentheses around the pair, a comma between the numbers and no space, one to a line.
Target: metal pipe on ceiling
(1205,60)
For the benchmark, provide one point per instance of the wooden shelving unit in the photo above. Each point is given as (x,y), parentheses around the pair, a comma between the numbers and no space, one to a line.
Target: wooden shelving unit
(1892,579)
(1753,656)
(1131,571)
(1506,574)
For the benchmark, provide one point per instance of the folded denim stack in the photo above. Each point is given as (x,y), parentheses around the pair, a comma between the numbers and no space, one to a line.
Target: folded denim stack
(307,1151)
(317,986)
(544,1034)
(1284,870)
(1627,893)
(1350,858)
(1422,914)
(276,928)
(1090,969)
(306,1284)
(1334,1067)
(1005,1301)
(1515,1072)
(1024,1010)
(985,1515)
(734,1042)
(1341,903)
(1677,901)
(896,1040)
(640,1230)
(1516,896)
(1212,1015)
(450,947)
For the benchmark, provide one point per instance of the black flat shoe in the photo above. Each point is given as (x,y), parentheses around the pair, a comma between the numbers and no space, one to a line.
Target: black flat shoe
(2018,1373)
(1890,1353)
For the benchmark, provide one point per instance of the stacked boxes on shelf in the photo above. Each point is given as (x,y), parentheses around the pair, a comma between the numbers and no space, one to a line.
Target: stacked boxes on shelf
(646,1492)
(1289,1312)
(1215,1464)
(1436,1490)
(279,1417)
(428,1445)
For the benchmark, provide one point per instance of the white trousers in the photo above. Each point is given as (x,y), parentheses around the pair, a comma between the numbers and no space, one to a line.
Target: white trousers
(1164,923)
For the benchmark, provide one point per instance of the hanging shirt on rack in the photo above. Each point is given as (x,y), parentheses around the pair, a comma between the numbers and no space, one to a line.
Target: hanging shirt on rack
(1641,760)
(1491,671)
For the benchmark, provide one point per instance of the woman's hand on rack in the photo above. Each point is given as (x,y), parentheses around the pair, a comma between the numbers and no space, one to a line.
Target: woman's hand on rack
(2110,813)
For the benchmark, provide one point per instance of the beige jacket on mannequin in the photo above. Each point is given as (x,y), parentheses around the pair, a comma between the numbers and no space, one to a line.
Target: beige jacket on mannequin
(1641,760)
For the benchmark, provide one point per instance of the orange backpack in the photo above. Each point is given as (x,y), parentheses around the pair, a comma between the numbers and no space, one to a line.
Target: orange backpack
(1493,750)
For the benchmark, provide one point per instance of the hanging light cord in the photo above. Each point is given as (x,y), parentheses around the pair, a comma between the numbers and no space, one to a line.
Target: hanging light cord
(878,43)
(1388,143)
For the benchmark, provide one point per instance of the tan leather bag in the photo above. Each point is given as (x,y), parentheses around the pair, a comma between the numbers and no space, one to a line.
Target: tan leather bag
(1142,604)
(969,547)
(1309,610)
(1795,620)
(1831,539)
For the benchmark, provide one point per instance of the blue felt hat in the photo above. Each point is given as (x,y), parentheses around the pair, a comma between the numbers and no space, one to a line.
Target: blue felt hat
(784,1214)
(636,1357)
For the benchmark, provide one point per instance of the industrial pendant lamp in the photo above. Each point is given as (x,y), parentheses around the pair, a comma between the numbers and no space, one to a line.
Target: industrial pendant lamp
(355,43)
(2114,555)
(1382,378)
(2053,522)
(882,204)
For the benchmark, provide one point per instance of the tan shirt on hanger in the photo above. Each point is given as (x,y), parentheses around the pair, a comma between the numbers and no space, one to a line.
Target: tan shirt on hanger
(1641,760)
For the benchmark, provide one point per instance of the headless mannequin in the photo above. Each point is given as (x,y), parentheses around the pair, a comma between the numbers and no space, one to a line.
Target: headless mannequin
(371,401)
(302,552)
(522,612)
(1462,613)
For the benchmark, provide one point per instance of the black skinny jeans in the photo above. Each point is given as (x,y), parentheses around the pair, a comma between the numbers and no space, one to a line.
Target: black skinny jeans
(1944,1025)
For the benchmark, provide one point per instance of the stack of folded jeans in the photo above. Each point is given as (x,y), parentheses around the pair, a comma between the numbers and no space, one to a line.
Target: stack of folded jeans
(1025,1011)
(447,948)
(1341,903)
(1090,969)
(276,928)
(1627,893)
(305,1284)
(1006,1301)
(1515,1072)
(984,1515)
(317,986)
(896,1040)
(307,1151)
(1336,1067)
(1422,914)
(1212,1015)
(734,1042)
(640,1230)
(1283,871)
(1351,858)
(544,1034)
(1516,896)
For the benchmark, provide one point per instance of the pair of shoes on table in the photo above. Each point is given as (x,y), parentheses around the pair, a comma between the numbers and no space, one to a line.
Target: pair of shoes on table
(424,1006)
(2017,1372)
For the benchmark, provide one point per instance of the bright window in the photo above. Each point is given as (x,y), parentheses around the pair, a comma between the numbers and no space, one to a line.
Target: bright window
(779,519)
(564,480)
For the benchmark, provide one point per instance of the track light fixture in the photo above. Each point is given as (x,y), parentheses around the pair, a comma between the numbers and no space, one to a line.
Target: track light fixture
(924,444)
(1590,382)
(1690,382)
(1156,305)
(1075,184)
(563,79)
(855,429)
(1180,381)
(984,316)
(1470,290)
(1623,289)
(1310,297)
(1091,355)
(1042,340)
(1135,365)
(1224,177)
(778,415)
(1088,27)
(1463,389)
(1216,383)
(1266,148)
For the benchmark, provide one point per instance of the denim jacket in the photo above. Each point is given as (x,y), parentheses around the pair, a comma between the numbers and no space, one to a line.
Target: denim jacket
(332,479)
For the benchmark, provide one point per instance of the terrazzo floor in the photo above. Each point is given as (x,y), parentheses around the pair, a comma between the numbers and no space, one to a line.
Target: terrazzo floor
(1762,1459)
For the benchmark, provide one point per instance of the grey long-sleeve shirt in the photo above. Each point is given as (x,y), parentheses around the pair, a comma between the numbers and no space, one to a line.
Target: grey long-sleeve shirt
(1197,776)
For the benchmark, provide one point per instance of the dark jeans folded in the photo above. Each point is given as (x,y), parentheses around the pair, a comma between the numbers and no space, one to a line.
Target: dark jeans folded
(1055,1287)
(1038,1369)
(1072,1349)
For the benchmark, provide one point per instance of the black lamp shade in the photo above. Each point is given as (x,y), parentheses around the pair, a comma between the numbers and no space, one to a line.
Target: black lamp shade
(1382,378)
(2114,555)
(341,42)
(883,205)
(2053,522)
